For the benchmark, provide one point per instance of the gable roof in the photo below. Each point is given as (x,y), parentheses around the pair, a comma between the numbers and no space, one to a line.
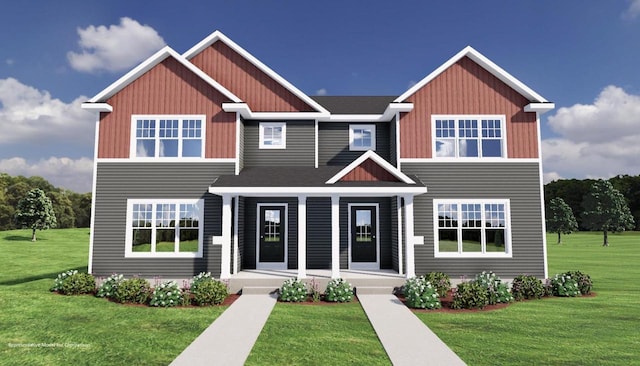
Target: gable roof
(488,65)
(150,63)
(219,36)
(370,154)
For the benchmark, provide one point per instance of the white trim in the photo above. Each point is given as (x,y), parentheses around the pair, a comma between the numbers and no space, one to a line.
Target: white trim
(273,265)
(543,213)
(478,118)
(167,160)
(218,36)
(157,138)
(397,137)
(92,224)
(508,253)
(319,191)
(97,107)
(400,253)
(392,110)
(335,236)
(485,63)
(283,127)
(302,237)
(129,253)
(150,63)
(409,231)
(467,160)
(418,240)
(365,265)
(225,255)
(237,158)
(246,113)
(316,139)
(235,234)
(352,146)
(539,108)
(378,160)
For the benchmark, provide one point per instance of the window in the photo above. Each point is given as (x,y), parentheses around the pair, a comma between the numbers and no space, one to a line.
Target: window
(472,228)
(273,135)
(164,228)
(469,136)
(167,136)
(362,137)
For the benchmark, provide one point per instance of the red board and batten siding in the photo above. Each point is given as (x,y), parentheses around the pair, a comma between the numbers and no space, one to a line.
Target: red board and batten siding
(250,84)
(168,88)
(369,171)
(467,88)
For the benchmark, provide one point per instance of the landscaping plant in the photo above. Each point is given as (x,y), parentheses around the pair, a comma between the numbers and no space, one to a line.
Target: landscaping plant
(526,287)
(497,292)
(564,285)
(421,294)
(207,291)
(338,290)
(166,294)
(470,295)
(108,287)
(293,290)
(133,290)
(584,281)
(59,281)
(74,283)
(440,281)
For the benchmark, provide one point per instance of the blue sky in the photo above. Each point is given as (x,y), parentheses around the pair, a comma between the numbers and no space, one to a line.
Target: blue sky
(581,54)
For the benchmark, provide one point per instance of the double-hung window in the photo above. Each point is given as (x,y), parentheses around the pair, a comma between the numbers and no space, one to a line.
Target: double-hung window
(273,135)
(469,136)
(164,228)
(362,137)
(167,136)
(472,228)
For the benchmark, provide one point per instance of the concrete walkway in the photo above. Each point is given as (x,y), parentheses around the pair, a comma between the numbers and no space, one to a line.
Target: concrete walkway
(407,340)
(229,339)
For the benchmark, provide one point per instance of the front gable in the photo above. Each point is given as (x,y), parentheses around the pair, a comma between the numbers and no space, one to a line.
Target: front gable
(370,167)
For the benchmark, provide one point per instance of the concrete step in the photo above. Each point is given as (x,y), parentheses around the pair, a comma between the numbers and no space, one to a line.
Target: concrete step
(258,290)
(374,290)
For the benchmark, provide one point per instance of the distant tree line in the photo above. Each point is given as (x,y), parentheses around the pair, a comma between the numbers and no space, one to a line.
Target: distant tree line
(71,209)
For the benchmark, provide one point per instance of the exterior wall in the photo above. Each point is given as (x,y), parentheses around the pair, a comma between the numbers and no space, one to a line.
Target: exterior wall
(300,142)
(516,181)
(242,78)
(241,231)
(333,143)
(369,171)
(117,182)
(168,88)
(394,235)
(467,88)
(318,233)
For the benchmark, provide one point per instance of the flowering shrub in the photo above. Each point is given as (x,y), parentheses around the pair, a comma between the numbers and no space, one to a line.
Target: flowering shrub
(202,276)
(135,290)
(583,280)
(470,295)
(497,292)
(421,294)
(527,287)
(166,294)
(108,287)
(59,281)
(78,283)
(293,290)
(564,285)
(440,281)
(207,291)
(315,290)
(338,290)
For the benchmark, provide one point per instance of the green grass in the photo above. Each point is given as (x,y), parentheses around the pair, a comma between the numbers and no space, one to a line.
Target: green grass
(163,246)
(601,330)
(318,335)
(81,330)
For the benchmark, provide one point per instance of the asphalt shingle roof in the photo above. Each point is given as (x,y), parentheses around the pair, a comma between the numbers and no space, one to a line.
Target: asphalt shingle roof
(354,104)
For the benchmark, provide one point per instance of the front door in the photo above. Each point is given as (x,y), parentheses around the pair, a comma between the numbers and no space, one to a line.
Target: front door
(364,241)
(271,236)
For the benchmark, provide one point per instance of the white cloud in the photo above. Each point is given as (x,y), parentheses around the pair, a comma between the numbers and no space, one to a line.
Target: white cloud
(322,91)
(597,140)
(632,11)
(10,61)
(75,175)
(114,48)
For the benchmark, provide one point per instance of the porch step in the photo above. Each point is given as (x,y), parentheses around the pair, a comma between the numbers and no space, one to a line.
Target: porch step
(258,290)
(374,290)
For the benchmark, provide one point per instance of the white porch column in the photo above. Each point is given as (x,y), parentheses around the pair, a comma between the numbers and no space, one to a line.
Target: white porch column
(225,266)
(335,236)
(302,236)
(409,238)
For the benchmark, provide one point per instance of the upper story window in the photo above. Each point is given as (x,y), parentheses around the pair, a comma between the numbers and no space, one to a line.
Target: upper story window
(469,136)
(273,135)
(362,137)
(167,136)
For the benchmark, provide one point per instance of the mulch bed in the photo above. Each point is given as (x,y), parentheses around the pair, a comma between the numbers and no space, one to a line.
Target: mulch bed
(310,301)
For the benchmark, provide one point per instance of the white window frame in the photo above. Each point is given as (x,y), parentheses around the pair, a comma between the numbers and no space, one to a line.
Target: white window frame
(282,125)
(352,146)
(180,138)
(479,118)
(129,253)
(508,252)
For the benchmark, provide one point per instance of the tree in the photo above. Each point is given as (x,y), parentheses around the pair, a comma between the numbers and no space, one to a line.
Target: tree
(63,209)
(35,212)
(560,218)
(605,209)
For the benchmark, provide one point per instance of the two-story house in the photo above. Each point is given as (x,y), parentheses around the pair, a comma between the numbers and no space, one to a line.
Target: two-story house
(211,161)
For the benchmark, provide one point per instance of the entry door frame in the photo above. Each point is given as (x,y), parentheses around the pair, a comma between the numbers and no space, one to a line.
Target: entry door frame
(369,266)
(273,265)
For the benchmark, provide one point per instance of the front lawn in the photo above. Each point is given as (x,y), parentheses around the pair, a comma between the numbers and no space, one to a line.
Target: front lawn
(38,327)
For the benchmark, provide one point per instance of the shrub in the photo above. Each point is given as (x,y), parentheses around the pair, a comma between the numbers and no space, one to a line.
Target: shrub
(421,294)
(565,286)
(59,281)
(527,287)
(202,276)
(470,295)
(78,283)
(293,290)
(166,294)
(440,281)
(208,291)
(338,290)
(584,281)
(497,292)
(108,287)
(135,290)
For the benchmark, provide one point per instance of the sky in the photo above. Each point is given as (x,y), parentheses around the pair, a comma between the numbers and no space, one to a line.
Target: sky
(583,55)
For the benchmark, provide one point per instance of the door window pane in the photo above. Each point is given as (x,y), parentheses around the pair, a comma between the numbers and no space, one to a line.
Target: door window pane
(271,231)
(363,226)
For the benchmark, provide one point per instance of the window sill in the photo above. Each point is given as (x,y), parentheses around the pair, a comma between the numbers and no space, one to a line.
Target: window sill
(163,255)
(473,255)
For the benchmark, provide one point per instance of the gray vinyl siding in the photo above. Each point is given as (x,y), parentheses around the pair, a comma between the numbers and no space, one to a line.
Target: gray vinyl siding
(319,233)
(241,147)
(241,232)
(300,146)
(250,220)
(393,158)
(384,228)
(333,143)
(517,181)
(117,182)
(394,234)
